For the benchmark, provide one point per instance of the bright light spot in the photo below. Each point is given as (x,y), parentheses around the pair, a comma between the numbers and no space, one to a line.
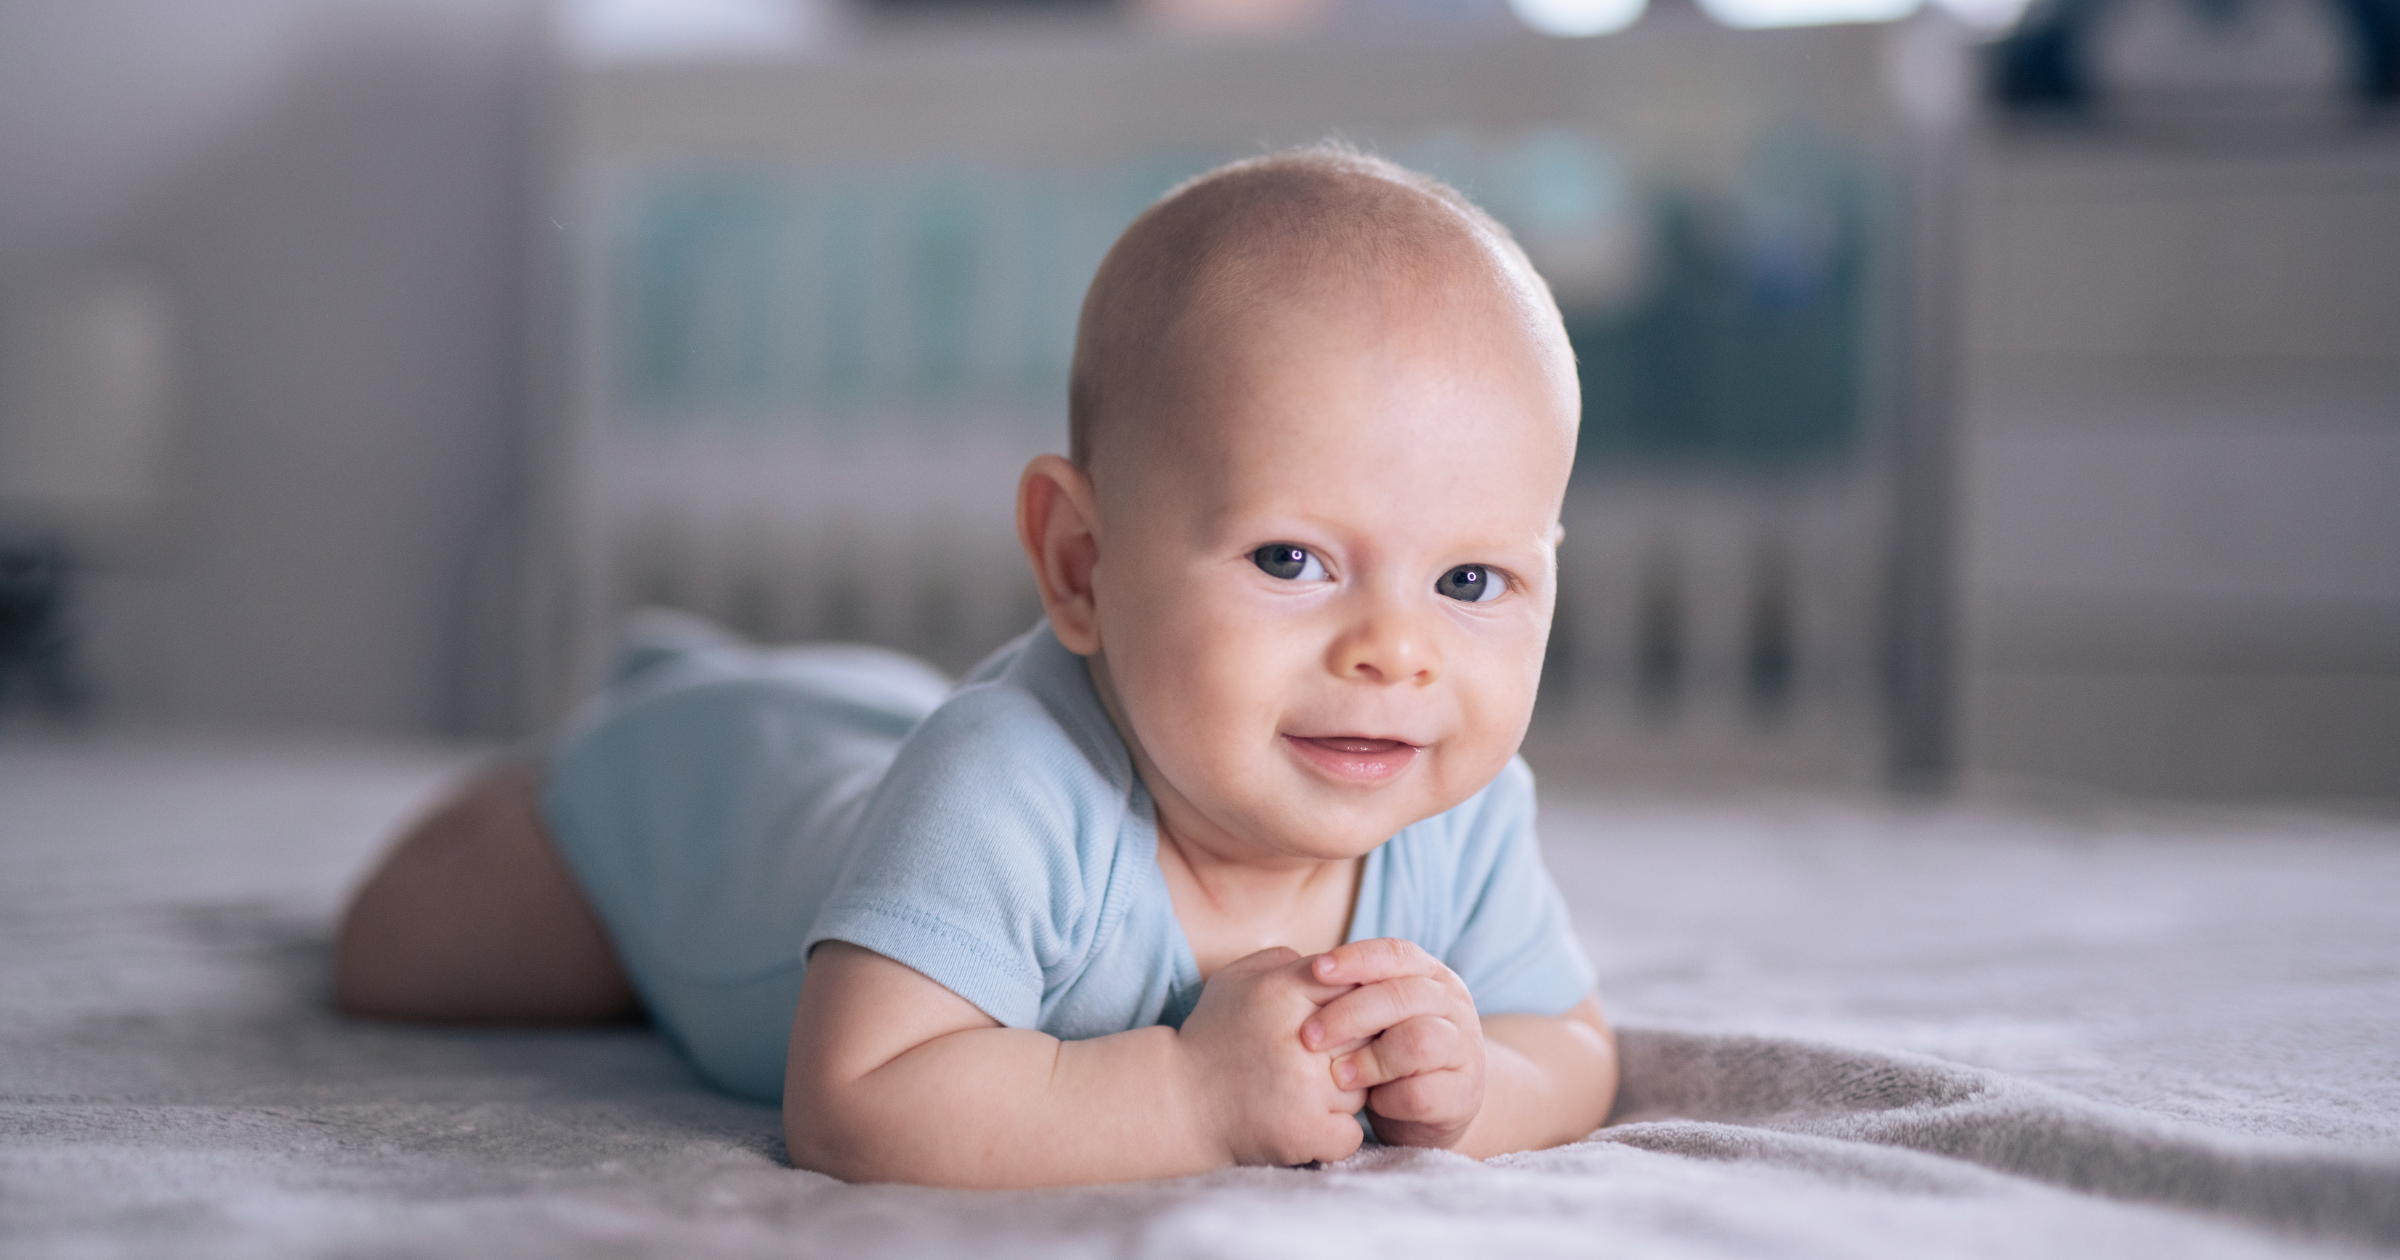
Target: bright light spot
(1252,17)
(1985,15)
(1577,18)
(615,30)
(1753,14)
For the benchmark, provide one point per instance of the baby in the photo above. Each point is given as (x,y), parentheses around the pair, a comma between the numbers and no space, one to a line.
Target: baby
(1228,855)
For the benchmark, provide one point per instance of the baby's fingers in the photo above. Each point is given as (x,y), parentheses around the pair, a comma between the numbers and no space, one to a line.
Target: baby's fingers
(1365,1012)
(1427,1043)
(1370,961)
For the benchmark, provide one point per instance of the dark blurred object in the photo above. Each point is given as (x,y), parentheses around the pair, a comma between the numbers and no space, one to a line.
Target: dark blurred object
(1770,656)
(2050,62)
(2041,63)
(1659,635)
(2378,25)
(37,632)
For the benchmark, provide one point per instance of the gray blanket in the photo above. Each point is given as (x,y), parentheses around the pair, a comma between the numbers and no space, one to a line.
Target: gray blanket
(1851,1029)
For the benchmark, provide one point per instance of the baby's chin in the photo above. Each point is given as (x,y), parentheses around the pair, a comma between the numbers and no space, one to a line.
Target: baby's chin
(1324,844)
(1308,820)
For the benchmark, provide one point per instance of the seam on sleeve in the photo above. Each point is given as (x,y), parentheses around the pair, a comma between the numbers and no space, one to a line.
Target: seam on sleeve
(990,965)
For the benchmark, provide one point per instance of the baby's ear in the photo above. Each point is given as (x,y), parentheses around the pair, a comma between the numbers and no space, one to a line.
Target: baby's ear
(1058,524)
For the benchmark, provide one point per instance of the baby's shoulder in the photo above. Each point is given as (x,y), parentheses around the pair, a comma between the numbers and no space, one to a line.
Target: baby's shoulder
(1000,722)
(994,808)
(997,746)
(982,710)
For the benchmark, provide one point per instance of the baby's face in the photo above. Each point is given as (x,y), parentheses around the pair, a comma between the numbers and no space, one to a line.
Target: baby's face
(1325,582)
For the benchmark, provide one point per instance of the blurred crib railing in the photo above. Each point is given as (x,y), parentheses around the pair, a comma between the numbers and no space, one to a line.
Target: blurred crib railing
(805,321)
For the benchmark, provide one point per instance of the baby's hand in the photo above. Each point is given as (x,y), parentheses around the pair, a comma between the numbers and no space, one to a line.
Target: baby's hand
(1268,1099)
(1408,1035)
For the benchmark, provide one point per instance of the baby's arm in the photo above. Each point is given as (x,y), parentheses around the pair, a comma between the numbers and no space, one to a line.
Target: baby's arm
(1437,1075)
(893,1077)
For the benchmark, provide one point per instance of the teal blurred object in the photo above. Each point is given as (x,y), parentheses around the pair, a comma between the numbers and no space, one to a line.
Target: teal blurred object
(703,310)
(935,294)
(942,295)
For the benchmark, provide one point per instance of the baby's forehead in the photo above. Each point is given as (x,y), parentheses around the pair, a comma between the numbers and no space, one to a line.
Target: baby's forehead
(1297,264)
(1287,374)
(1256,269)
(1297,390)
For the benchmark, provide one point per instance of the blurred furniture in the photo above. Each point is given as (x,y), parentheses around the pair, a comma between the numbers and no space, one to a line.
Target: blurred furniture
(2180,451)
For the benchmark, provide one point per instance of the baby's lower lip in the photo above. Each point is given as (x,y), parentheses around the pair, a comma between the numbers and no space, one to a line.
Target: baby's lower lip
(1355,758)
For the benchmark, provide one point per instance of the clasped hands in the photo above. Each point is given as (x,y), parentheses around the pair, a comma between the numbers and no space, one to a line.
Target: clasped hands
(1286,1050)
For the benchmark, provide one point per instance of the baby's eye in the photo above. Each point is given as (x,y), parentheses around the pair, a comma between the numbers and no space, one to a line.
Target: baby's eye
(1471,583)
(1288,562)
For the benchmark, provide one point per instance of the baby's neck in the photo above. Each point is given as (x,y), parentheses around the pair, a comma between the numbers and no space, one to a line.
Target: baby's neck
(1231,908)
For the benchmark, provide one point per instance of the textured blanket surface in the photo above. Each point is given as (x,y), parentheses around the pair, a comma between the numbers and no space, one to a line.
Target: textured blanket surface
(1851,1028)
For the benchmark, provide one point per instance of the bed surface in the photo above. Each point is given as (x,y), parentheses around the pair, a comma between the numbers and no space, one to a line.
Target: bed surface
(1852,1028)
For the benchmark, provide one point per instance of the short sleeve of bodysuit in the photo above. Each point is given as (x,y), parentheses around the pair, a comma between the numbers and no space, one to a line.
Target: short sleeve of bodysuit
(1004,846)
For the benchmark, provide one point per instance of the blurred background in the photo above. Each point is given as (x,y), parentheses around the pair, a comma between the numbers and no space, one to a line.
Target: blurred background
(1971,391)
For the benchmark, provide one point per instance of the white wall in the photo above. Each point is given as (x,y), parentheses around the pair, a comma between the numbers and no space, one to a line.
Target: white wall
(2181,461)
(328,192)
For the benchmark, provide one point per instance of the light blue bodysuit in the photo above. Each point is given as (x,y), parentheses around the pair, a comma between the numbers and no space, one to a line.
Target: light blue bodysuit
(727,807)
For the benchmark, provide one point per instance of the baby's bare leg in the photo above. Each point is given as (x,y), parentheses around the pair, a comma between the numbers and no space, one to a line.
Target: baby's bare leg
(474,917)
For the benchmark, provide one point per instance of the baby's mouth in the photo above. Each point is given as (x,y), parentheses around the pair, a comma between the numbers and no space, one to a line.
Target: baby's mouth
(1354,758)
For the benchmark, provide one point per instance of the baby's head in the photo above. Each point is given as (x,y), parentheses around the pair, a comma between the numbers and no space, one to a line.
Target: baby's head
(1323,413)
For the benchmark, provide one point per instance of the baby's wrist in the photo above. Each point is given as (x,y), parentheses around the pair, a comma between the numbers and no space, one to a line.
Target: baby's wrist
(1197,1108)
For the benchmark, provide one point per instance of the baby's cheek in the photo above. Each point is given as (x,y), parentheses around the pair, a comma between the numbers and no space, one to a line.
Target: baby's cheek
(1496,700)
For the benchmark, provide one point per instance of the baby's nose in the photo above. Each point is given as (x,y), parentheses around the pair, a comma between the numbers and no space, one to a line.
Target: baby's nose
(1386,647)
